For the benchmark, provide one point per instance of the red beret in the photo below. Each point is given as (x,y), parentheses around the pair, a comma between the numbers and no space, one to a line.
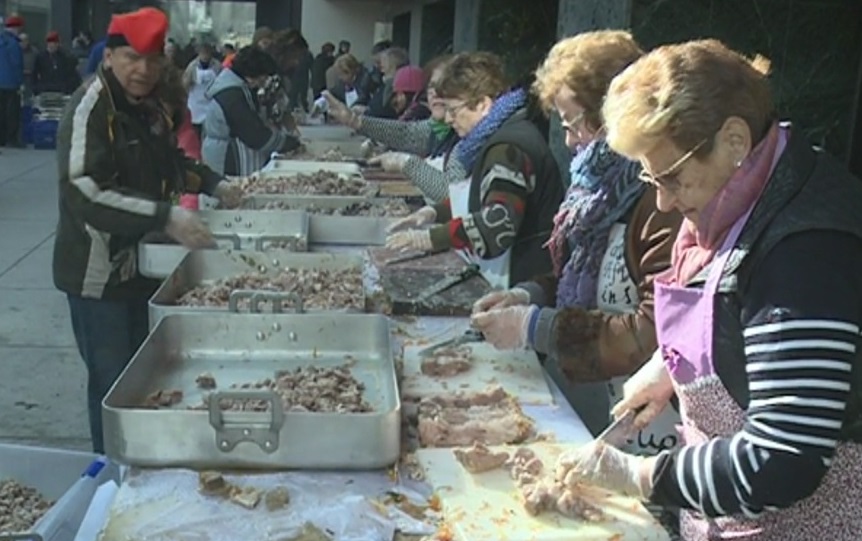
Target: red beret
(53,37)
(14,21)
(143,30)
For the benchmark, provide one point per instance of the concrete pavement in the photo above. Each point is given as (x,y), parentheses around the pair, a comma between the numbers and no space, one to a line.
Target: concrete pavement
(42,378)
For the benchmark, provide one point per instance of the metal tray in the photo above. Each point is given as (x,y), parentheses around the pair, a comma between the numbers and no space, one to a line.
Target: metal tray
(299,166)
(207,266)
(350,148)
(328,132)
(327,229)
(158,255)
(372,189)
(242,349)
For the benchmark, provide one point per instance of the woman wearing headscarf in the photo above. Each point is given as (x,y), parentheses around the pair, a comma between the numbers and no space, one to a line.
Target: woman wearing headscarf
(592,316)
(421,149)
(408,94)
(758,318)
(500,214)
(237,140)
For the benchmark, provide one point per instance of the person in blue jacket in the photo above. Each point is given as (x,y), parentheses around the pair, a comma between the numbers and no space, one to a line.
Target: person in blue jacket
(95,57)
(11,79)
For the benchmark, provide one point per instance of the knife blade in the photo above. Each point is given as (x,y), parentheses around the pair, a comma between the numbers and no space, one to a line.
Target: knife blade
(620,429)
(469,336)
(448,282)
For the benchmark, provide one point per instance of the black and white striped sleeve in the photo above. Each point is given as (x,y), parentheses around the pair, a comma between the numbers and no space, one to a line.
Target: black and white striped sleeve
(801,317)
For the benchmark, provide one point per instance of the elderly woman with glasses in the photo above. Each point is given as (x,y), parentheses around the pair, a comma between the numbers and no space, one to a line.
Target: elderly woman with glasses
(500,214)
(758,318)
(593,315)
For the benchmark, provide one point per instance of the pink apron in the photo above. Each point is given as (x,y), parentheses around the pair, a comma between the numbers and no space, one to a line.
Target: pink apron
(684,327)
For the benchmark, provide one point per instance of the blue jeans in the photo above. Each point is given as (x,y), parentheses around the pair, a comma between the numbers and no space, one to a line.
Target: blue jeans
(108,334)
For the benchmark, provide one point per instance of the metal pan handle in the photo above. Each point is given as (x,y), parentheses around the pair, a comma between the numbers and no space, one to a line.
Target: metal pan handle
(233,237)
(228,433)
(295,242)
(278,300)
(238,295)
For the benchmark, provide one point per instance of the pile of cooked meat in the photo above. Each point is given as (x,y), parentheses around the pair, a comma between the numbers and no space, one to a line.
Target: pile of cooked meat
(491,417)
(320,183)
(319,289)
(391,208)
(447,362)
(20,507)
(540,491)
(311,389)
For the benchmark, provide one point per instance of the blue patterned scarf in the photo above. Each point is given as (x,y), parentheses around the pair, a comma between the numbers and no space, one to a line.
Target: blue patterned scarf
(604,187)
(467,150)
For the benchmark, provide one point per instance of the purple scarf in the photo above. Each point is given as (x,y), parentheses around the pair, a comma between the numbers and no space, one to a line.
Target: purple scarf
(604,188)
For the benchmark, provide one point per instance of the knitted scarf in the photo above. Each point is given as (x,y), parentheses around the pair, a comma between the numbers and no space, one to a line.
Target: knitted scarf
(604,187)
(467,149)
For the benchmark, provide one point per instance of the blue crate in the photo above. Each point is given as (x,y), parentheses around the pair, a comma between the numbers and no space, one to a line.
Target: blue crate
(45,134)
(27,112)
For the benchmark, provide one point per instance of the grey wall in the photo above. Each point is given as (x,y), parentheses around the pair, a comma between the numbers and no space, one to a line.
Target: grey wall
(466,36)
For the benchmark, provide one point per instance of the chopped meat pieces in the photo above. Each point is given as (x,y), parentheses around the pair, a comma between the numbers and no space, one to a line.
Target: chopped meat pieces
(310,532)
(20,507)
(320,183)
(206,381)
(448,362)
(276,499)
(247,497)
(542,492)
(390,208)
(163,398)
(212,483)
(306,389)
(491,417)
(319,289)
(479,459)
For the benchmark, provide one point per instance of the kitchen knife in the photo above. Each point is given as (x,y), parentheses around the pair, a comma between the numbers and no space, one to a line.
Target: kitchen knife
(621,429)
(470,336)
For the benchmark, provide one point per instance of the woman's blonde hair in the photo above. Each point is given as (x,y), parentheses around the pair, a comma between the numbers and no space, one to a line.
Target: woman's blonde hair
(347,64)
(471,77)
(685,93)
(585,64)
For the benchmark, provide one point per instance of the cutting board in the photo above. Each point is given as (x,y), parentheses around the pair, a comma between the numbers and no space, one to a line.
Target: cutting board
(518,372)
(447,260)
(403,286)
(478,507)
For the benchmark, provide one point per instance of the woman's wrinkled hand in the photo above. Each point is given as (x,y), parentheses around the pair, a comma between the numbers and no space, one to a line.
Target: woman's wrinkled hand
(650,388)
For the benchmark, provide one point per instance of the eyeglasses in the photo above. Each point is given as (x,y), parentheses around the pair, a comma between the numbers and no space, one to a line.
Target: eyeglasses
(668,179)
(452,110)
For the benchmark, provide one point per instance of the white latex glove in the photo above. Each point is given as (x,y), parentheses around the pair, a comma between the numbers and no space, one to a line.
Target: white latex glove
(424,216)
(185,227)
(650,387)
(603,466)
(229,194)
(502,299)
(505,328)
(410,240)
(339,111)
(391,162)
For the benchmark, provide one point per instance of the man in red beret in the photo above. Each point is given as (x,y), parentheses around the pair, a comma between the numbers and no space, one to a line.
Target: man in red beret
(54,70)
(120,169)
(11,79)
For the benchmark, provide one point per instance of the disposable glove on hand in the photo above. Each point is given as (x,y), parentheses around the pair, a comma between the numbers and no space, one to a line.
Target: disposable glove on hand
(410,240)
(185,227)
(391,162)
(502,299)
(424,216)
(229,194)
(603,466)
(505,328)
(338,110)
(651,387)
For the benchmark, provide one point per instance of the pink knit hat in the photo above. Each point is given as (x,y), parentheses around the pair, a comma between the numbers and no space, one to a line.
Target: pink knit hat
(409,79)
